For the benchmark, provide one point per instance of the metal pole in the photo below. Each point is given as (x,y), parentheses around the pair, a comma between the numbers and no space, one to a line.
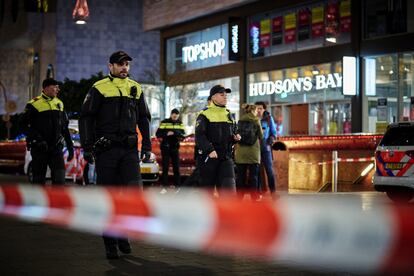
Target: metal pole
(334,171)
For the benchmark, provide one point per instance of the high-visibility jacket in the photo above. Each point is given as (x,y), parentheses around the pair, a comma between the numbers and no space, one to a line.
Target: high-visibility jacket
(112,109)
(214,131)
(170,141)
(44,119)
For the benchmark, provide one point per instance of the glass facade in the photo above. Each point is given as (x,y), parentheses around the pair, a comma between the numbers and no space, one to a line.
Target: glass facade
(323,23)
(192,98)
(385,17)
(389,93)
(202,49)
(306,100)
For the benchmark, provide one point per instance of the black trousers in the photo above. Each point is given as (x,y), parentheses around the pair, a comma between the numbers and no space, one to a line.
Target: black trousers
(217,173)
(41,160)
(173,155)
(118,166)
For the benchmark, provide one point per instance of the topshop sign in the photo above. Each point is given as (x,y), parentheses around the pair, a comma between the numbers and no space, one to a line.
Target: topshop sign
(202,51)
(303,84)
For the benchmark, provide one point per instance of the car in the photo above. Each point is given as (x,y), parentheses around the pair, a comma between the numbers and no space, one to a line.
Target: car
(394,159)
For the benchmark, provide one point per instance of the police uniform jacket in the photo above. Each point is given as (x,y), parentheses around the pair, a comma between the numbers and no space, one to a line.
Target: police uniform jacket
(214,132)
(172,141)
(112,109)
(44,120)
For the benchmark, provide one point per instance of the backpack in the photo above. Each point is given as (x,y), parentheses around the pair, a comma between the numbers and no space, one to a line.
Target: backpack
(247,131)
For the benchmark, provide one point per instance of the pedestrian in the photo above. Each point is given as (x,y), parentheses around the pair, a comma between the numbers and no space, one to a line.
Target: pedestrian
(269,137)
(215,136)
(247,152)
(45,123)
(171,132)
(112,109)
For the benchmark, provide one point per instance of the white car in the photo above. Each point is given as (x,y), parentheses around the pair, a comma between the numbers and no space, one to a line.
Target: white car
(394,160)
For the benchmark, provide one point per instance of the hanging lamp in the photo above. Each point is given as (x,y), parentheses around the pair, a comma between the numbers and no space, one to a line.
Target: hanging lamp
(80,12)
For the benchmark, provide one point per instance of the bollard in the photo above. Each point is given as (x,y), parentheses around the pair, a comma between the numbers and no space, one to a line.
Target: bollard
(334,171)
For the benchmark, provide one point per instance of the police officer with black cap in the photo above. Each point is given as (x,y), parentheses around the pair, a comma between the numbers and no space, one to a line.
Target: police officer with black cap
(46,126)
(112,109)
(215,136)
(171,132)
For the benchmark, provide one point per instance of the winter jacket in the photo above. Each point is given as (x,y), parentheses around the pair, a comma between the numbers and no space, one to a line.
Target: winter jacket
(245,154)
(214,132)
(172,141)
(112,109)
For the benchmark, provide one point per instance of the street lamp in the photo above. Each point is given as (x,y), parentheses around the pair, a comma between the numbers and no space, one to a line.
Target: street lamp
(81,12)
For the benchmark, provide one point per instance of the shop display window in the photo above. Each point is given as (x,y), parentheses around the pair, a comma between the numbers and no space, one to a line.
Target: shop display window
(389,94)
(192,98)
(321,24)
(385,17)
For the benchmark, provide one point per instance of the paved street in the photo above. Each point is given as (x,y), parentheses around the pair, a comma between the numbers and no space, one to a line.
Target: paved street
(39,249)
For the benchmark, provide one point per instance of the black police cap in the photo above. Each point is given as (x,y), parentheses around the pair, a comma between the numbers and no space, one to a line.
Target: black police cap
(218,89)
(119,56)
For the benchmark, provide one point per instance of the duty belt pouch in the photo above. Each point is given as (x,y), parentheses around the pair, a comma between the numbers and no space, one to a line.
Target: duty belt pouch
(131,141)
(103,144)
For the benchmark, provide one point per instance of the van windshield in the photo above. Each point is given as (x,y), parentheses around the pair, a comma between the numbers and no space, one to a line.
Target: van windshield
(399,136)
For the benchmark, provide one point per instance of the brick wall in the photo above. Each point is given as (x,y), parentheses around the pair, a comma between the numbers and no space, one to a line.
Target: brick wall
(83,50)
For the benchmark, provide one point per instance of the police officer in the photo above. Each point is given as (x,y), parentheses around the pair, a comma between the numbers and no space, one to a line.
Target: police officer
(215,137)
(46,126)
(171,132)
(112,109)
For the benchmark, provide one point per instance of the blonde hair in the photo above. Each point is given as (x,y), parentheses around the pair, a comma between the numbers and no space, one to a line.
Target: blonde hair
(249,108)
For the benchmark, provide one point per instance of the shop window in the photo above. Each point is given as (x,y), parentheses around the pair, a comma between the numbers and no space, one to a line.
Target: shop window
(192,98)
(321,24)
(386,17)
(389,93)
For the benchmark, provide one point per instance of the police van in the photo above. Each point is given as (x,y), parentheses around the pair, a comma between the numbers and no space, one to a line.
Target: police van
(394,162)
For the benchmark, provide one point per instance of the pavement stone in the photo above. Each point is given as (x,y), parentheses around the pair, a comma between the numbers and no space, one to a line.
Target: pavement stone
(40,249)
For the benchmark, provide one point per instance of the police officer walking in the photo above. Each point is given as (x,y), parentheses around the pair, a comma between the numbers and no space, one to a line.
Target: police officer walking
(215,136)
(171,132)
(112,109)
(46,126)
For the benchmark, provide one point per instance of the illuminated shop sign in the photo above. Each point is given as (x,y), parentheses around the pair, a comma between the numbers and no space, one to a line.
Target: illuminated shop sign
(303,84)
(205,50)
(234,38)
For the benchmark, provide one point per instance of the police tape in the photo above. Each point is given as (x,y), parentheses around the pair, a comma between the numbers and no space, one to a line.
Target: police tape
(344,160)
(324,233)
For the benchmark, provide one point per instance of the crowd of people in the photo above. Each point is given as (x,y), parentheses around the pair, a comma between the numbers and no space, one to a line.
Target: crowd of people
(228,155)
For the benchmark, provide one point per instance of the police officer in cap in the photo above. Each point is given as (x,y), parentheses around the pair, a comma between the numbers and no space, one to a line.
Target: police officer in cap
(46,126)
(215,136)
(112,109)
(171,132)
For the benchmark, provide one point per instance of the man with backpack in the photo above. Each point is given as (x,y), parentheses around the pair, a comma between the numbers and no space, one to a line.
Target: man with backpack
(269,137)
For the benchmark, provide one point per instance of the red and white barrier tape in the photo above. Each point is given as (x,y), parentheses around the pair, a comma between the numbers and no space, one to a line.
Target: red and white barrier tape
(344,160)
(326,233)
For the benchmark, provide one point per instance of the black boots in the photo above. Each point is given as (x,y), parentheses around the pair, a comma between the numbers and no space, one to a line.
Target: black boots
(113,244)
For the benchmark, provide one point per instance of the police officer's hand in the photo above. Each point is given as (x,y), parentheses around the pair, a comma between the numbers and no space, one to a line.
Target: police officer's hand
(70,154)
(237,137)
(42,146)
(213,154)
(145,156)
(88,156)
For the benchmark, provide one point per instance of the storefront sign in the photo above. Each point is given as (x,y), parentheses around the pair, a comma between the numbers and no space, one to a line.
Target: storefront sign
(345,14)
(303,84)
(254,32)
(203,50)
(234,38)
(304,24)
(265,33)
(277,34)
(349,71)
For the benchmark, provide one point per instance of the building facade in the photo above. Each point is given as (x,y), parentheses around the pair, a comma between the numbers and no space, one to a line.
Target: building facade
(324,67)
